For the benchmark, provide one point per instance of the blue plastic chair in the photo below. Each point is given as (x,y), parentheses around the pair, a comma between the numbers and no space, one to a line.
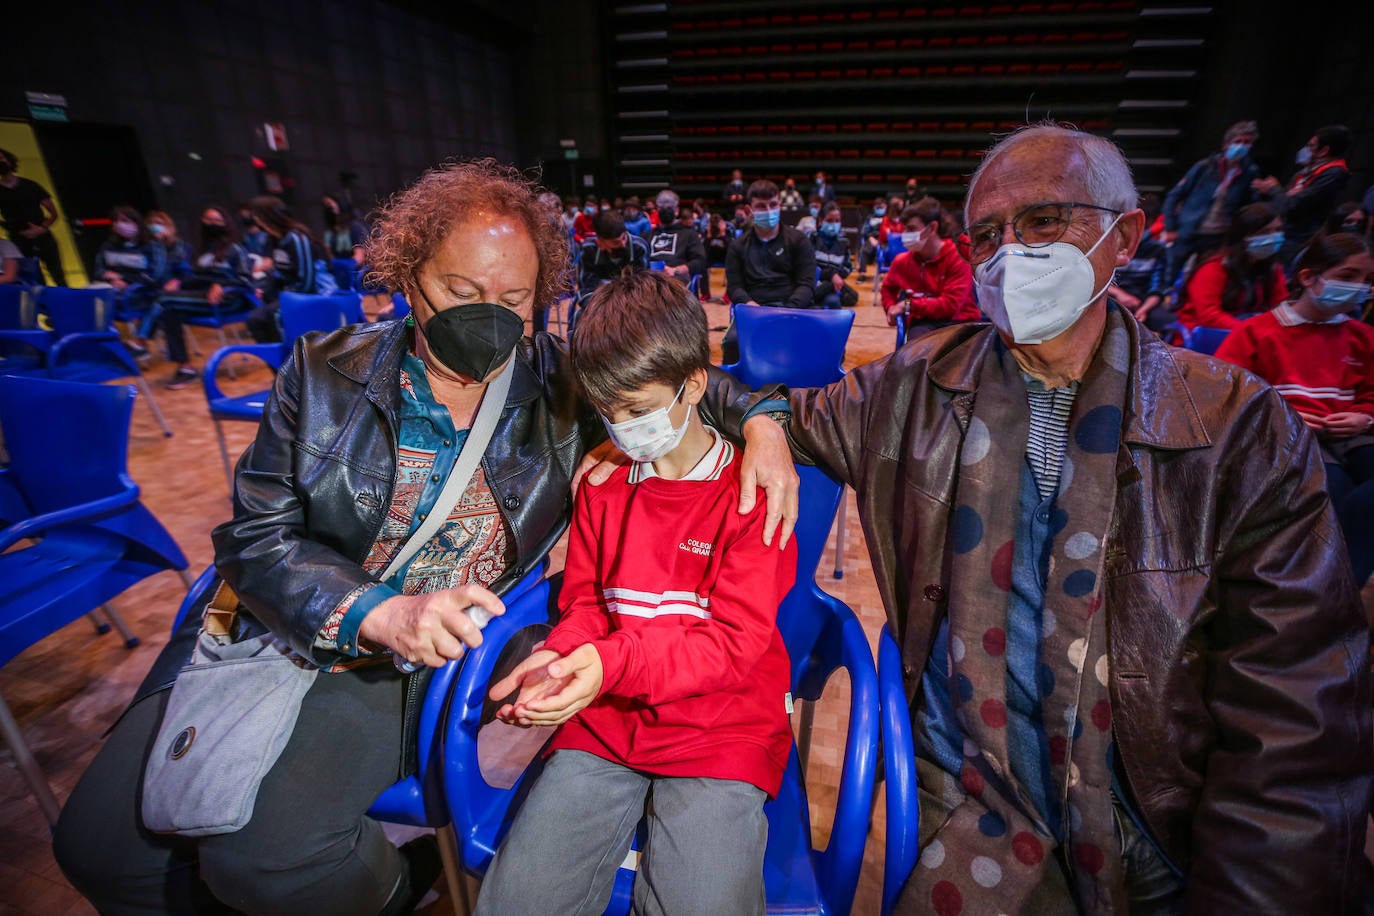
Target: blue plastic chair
(902,848)
(885,256)
(23,345)
(800,348)
(304,312)
(821,634)
(76,535)
(300,314)
(901,331)
(1206,340)
(83,345)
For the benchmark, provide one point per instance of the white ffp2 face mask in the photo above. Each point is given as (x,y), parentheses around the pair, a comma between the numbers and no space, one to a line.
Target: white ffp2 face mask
(1036,294)
(650,437)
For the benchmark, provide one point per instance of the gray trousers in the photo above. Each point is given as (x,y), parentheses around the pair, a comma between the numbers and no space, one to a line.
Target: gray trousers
(309,848)
(703,854)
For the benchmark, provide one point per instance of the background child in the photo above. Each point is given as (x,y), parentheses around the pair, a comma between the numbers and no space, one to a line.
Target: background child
(666,670)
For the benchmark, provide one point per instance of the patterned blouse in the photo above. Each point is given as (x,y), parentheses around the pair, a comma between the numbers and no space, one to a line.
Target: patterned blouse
(471,548)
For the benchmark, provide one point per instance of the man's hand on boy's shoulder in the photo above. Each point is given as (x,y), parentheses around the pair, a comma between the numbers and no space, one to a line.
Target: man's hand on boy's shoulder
(598,465)
(767,465)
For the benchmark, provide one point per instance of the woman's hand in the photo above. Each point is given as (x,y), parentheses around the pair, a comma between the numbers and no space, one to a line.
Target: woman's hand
(571,684)
(1347,424)
(430,629)
(215,294)
(767,463)
(598,465)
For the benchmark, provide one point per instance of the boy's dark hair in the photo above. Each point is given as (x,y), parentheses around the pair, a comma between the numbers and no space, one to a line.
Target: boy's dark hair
(827,209)
(927,210)
(641,327)
(763,189)
(608,225)
(1334,136)
(11,158)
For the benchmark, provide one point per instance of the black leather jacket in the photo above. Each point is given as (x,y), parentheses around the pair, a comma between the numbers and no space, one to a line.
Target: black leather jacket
(312,491)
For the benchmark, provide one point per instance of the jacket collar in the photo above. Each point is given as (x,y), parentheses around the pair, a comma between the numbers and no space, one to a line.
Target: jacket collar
(1160,410)
(372,356)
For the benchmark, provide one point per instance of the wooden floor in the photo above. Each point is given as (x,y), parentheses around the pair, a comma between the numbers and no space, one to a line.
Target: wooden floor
(67,689)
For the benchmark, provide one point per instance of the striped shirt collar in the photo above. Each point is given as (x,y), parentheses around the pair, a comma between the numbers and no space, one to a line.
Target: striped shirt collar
(710,467)
(1288,316)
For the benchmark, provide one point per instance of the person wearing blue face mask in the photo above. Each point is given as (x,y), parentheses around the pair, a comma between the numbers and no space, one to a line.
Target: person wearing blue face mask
(769,263)
(1131,644)
(832,257)
(1241,279)
(1198,209)
(868,236)
(1321,359)
(1314,189)
(582,223)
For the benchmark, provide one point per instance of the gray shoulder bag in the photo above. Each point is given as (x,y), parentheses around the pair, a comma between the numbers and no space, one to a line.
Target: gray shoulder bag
(235,704)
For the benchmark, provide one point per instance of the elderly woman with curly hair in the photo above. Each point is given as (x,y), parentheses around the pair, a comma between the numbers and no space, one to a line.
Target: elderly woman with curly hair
(357,438)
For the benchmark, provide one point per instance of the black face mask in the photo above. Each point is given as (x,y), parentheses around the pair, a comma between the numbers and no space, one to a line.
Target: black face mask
(211,232)
(473,340)
(5,167)
(248,223)
(666,216)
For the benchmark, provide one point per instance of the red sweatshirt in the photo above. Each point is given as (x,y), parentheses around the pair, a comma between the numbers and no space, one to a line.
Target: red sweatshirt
(946,280)
(1202,296)
(582,227)
(679,595)
(1319,368)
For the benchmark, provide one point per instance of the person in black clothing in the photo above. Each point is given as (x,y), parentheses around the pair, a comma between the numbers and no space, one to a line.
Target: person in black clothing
(733,195)
(28,212)
(295,255)
(769,264)
(217,278)
(911,194)
(1313,192)
(719,235)
(678,245)
(832,257)
(610,252)
(345,236)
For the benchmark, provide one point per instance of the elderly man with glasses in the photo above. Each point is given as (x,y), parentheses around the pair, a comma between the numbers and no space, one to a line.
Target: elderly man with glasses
(1134,652)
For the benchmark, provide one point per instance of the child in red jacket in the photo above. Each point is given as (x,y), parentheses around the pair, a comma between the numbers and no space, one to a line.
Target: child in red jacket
(666,671)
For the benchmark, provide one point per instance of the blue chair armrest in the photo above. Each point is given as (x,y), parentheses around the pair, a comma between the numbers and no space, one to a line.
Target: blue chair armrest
(837,868)
(56,351)
(901,331)
(899,769)
(85,513)
(273,354)
(480,813)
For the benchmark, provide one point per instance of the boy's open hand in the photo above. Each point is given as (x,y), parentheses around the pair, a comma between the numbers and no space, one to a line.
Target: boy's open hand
(575,681)
(531,677)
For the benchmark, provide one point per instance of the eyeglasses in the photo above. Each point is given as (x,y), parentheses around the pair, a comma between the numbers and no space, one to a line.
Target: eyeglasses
(1036,226)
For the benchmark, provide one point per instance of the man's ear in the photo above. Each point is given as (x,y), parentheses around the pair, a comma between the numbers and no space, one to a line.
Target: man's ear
(1129,231)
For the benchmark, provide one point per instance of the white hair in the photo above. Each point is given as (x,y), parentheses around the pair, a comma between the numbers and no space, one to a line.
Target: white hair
(666,199)
(1107,178)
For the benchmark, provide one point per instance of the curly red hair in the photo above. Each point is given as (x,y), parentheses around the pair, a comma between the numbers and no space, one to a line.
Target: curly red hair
(408,229)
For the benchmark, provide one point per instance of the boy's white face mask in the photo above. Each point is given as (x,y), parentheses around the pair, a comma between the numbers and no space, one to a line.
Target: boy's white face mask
(1036,294)
(650,437)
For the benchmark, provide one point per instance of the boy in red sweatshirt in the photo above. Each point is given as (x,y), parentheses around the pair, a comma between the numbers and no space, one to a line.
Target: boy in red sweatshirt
(666,671)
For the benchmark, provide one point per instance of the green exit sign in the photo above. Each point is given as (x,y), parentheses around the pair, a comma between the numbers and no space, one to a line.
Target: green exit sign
(47,113)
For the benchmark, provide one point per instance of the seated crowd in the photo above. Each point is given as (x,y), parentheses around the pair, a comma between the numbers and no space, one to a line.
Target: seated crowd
(1123,575)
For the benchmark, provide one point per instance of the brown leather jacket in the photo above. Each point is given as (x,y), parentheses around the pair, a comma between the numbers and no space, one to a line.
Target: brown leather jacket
(1239,651)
